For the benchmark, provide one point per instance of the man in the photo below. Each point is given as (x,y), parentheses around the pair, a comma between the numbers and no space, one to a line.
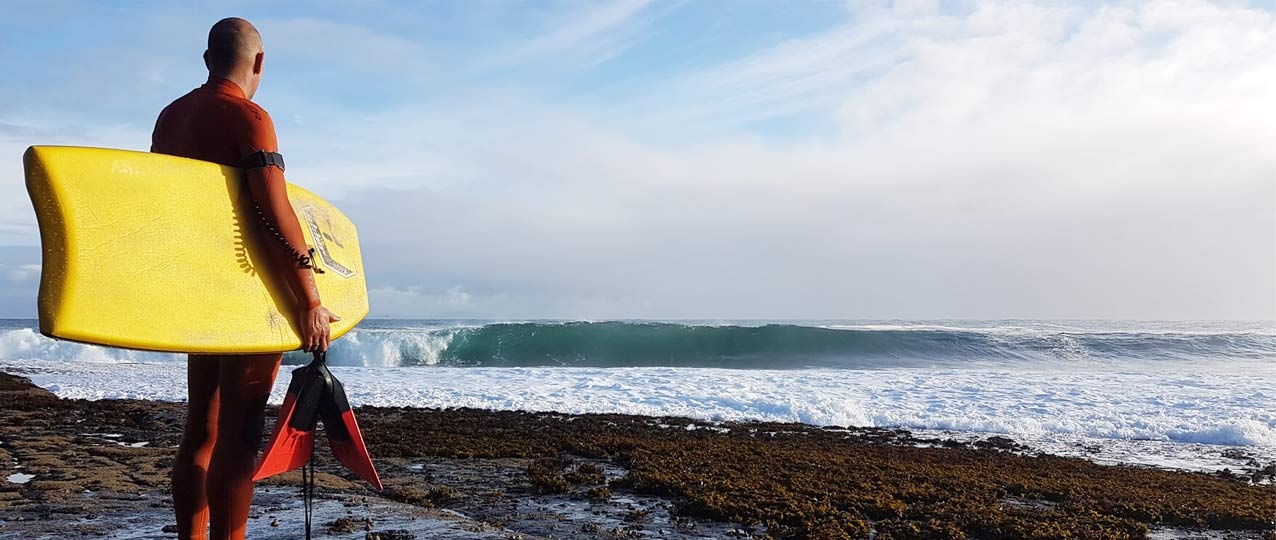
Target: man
(212,475)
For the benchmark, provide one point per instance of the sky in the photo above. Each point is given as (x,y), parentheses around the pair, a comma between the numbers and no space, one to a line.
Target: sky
(721,159)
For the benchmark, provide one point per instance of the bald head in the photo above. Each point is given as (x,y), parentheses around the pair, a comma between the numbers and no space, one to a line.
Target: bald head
(232,43)
(235,53)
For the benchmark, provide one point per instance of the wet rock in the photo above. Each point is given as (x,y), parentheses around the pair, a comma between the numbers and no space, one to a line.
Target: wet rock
(768,479)
(397,534)
(345,525)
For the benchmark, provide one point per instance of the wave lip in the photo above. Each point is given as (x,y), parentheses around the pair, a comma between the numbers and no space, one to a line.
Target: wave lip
(791,346)
(870,345)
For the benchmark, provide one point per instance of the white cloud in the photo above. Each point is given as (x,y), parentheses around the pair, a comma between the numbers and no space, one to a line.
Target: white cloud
(588,35)
(414,300)
(23,273)
(1016,160)
(17,218)
(997,160)
(346,48)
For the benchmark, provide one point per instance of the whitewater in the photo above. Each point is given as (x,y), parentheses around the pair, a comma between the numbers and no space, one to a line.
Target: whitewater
(1195,395)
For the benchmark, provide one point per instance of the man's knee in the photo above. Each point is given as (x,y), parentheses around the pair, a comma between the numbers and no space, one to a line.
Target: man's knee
(201,426)
(245,387)
(254,427)
(200,437)
(243,425)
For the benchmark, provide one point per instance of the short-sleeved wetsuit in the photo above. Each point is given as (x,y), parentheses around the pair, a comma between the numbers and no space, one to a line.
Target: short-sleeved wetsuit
(216,123)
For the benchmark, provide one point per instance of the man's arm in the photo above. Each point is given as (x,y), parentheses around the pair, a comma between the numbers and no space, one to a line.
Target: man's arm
(269,192)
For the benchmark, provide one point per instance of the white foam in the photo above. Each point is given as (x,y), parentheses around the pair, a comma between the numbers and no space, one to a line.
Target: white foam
(1170,409)
(393,347)
(1042,328)
(27,344)
(1033,344)
(1179,408)
(360,347)
(20,478)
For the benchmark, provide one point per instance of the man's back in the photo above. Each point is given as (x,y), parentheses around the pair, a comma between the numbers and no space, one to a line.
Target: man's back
(216,123)
(226,395)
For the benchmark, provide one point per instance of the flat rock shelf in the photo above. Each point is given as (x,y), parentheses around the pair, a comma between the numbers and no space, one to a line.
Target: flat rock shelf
(100,469)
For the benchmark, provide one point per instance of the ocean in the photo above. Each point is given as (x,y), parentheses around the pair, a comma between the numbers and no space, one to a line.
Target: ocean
(1195,395)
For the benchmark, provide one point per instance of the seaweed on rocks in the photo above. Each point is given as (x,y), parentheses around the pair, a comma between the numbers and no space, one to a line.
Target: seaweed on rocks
(600,493)
(425,498)
(547,477)
(772,480)
(586,474)
(797,481)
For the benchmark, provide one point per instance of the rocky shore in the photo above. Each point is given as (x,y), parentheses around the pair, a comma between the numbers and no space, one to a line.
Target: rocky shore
(99,469)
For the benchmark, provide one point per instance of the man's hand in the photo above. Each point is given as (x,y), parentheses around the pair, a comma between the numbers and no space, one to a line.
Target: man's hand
(314,328)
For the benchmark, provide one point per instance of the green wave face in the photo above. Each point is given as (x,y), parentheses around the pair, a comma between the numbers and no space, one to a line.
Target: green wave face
(783,346)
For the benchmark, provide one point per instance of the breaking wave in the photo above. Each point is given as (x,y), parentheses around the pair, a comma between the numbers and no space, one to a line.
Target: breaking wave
(782,346)
(742,346)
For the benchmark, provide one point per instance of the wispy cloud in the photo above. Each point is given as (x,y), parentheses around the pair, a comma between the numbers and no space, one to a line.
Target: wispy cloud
(1002,165)
(346,48)
(394,301)
(794,76)
(580,37)
(992,159)
(21,273)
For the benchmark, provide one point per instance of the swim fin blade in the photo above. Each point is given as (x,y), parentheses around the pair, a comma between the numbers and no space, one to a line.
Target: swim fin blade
(344,436)
(293,440)
(315,394)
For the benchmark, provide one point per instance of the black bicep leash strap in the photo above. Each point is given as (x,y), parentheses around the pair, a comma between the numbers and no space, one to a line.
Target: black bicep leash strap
(260,160)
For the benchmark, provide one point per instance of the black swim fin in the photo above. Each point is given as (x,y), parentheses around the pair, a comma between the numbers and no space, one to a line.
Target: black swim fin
(316,394)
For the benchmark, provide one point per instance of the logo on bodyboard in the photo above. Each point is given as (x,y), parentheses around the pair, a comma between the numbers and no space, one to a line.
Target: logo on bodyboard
(326,242)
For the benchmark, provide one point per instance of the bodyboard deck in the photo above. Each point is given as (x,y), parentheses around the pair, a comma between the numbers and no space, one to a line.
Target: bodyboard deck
(161,253)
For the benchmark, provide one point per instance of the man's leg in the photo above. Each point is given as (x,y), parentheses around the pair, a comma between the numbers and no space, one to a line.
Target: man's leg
(245,385)
(190,468)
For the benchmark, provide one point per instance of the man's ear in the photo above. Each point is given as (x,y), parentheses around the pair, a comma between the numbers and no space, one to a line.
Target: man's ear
(257,61)
(206,64)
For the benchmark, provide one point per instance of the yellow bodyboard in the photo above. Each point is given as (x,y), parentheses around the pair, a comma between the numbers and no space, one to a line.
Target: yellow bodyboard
(160,253)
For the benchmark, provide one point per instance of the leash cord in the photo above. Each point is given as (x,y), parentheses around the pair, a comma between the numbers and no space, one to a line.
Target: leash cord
(304,260)
(308,471)
(308,491)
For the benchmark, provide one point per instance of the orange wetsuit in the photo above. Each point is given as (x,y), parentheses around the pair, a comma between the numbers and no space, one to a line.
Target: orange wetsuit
(212,475)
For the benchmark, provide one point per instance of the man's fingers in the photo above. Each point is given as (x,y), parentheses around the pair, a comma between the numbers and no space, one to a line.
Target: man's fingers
(318,334)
